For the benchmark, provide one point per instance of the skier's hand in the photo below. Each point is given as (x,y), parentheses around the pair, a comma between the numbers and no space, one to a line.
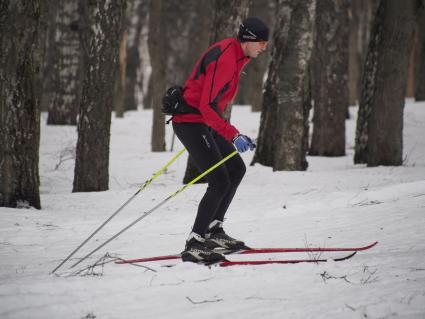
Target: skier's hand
(243,143)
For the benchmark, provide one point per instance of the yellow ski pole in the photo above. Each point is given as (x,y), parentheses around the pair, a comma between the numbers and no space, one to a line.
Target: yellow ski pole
(157,206)
(145,184)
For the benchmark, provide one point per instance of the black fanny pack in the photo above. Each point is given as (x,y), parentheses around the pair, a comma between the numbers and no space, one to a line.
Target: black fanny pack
(173,102)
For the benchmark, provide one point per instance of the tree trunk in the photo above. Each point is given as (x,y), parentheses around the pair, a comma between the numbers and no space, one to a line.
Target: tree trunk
(147,97)
(137,14)
(330,89)
(420,67)
(368,89)
(157,54)
(227,16)
(266,141)
(65,87)
(47,66)
(307,106)
(353,63)
(19,103)
(411,81)
(282,137)
(119,89)
(100,29)
(361,18)
(47,12)
(385,142)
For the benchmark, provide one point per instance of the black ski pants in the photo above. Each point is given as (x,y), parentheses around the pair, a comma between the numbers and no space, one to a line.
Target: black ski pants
(206,148)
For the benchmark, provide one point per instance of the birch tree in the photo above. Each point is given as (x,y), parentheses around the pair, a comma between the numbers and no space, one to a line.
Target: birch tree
(100,28)
(65,86)
(284,120)
(379,131)
(19,103)
(157,56)
(330,73)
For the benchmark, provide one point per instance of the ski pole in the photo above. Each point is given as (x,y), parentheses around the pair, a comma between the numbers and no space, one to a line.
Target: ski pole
(146,184)
(157,206)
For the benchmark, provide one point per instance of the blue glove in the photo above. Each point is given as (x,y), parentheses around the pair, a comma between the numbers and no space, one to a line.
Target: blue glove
(243,143)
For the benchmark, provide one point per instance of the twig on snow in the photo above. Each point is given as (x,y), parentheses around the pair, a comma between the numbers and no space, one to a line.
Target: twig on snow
(325,276)
(312,255)
(68,153)
(93,270)
(203,301)
(369,279)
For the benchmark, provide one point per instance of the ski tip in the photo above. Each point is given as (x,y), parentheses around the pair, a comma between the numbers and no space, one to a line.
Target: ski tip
(345,257)
(370,246)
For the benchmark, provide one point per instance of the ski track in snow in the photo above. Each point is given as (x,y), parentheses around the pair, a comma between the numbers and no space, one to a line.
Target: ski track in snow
(335,203)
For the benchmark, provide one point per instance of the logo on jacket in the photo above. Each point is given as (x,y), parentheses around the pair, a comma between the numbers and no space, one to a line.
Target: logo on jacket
(206,140)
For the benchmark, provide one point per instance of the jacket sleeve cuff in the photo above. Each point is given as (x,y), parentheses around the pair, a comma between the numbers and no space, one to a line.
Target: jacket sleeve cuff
(231,134)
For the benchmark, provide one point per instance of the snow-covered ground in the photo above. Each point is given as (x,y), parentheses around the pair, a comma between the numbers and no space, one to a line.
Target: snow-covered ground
(334,203)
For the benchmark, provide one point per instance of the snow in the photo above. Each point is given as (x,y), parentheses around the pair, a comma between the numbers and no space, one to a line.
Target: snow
(334,203)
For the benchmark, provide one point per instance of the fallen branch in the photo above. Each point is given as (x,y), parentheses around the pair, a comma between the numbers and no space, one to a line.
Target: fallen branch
(204,301)
(326,276)
(93,270)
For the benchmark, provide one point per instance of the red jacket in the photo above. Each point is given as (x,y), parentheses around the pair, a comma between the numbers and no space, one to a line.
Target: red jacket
(213,84)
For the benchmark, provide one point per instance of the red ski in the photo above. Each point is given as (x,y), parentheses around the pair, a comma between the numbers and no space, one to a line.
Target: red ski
(267,262)
(254,251)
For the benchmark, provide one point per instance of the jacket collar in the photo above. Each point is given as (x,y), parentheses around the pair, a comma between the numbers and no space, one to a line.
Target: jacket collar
(240,56)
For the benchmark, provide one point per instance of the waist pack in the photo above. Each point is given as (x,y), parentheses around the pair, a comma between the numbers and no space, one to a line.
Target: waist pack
(173,102)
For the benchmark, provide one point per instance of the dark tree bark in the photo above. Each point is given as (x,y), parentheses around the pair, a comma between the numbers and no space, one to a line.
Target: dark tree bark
(147,96)
(46,71)
(330,71)
(266,141)
(361,18)
(137,15)
(65,87)
(19,103)
(368,89)
(120,78)
(307,106)
(282,136)
(227,16)
(46,14)
(385,142)
(157,54)
(410,85)
(420,67)
(100,28)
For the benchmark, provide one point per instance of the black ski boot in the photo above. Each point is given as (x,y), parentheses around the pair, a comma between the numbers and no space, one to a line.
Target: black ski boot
(197,251)
(217,238)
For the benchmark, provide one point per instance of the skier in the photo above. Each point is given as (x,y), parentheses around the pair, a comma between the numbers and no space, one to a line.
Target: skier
(208,137)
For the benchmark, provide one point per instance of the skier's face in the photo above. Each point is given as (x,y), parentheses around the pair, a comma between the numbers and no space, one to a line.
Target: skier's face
(253,49)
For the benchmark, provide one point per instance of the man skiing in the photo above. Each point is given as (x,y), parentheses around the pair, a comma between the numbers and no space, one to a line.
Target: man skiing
(208,137)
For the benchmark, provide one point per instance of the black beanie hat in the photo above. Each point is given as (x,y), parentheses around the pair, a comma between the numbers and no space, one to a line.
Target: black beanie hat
(253,30)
